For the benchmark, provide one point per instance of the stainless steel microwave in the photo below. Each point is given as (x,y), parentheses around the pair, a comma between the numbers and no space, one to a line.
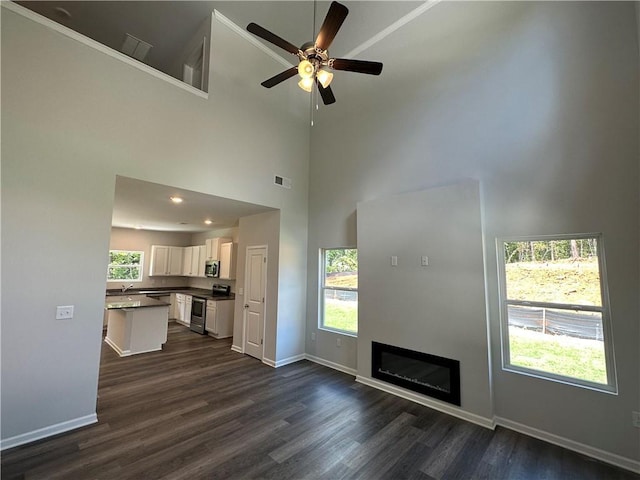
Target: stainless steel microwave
(212,268)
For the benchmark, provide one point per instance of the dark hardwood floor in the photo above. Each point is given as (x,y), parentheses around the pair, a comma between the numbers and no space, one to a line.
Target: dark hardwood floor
(199,410)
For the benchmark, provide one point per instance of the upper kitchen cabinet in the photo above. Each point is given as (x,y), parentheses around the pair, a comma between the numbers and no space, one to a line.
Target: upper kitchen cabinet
(165,260)
(213,247)
(193,261)
(228,256)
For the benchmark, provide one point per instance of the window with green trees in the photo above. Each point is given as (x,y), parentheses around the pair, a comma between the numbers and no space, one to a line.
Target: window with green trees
(339,290)
(555,315)
(125,265)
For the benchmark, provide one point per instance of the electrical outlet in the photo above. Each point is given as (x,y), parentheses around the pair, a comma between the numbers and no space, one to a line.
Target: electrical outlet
(394,260)
(424,261)
(635,419)
(64,312)
(313,336)
(338,342)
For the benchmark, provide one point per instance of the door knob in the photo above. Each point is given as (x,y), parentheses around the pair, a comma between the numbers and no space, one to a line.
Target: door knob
(246,305)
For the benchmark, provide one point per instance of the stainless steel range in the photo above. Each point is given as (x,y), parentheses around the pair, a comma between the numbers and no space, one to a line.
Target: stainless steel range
(198,314)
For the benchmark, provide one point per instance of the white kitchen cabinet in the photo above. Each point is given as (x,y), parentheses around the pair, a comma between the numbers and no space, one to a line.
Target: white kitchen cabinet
(186,261)
(183,308)
(193,261)
(173,309)
(187,310)
(202,262)
(165,260)
(219,319)
(228,255)
(175,260)
(213,247)
(179,307)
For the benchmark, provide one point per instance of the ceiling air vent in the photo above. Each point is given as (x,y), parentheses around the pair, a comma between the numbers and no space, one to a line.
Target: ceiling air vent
(134,47)
(282,181)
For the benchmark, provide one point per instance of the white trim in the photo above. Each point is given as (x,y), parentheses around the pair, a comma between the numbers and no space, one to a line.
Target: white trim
(284,361)
(49,431)
(236,348)
(127,353)
(25,12)
(269,362)
(251,39)
(413,14)
(611,458)
(427,402)
(327,363)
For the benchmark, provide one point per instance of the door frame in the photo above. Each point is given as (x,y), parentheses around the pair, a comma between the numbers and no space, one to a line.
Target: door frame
(248,250)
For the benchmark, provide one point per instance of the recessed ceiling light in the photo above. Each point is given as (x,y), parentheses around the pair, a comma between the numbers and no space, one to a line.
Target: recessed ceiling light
(208,222)
(176,199)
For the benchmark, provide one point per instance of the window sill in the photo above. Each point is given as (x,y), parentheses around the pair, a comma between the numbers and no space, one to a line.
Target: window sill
(339,332)
(608,389)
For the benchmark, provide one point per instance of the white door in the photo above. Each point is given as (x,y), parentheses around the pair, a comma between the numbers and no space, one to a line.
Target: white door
(254,295)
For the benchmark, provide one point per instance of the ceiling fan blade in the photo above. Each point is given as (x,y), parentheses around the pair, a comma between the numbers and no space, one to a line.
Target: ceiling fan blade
(326,94)
(332,23)
(359,66)
(281,77)
(272,38)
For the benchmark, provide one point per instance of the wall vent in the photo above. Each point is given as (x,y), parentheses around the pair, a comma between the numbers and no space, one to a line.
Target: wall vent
(282,181)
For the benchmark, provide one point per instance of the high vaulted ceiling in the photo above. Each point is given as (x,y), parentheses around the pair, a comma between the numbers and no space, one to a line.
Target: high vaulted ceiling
(168,26)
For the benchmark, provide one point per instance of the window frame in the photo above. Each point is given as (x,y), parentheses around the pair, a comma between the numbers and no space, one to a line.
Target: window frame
(140,266)
(321,293)
(612,383)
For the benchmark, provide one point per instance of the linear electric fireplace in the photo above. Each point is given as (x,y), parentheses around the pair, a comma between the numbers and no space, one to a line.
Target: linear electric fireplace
(437,377)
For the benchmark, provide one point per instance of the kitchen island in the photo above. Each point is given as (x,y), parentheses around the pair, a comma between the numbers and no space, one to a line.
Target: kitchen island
(136,324)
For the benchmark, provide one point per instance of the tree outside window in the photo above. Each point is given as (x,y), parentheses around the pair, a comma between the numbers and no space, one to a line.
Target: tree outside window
(339,290)
(125,265)
(555,311)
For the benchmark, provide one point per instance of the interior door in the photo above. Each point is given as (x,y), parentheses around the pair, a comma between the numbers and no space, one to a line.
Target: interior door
(255,289)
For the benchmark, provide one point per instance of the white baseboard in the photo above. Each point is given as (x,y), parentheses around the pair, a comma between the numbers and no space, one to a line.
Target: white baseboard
(607,457)
(327,363)
(422,400)
(284,361)
(236,348)
(47,431)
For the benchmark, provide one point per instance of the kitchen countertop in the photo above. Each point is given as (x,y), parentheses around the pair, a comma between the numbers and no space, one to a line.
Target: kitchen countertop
(161,292)
(132,301)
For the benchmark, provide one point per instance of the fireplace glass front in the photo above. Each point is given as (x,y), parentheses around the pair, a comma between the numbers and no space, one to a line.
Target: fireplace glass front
(431,375)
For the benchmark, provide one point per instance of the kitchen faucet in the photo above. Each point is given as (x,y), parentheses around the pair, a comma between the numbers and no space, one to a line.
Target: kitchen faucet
(124,289)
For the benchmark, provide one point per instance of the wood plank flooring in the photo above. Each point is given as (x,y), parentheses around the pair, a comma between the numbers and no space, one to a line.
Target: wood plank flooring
(198,410)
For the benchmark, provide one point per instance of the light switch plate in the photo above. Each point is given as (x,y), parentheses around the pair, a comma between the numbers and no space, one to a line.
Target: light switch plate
(64,312)
(424,261)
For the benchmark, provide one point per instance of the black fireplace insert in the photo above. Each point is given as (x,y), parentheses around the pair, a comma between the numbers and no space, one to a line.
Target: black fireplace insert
(431,375)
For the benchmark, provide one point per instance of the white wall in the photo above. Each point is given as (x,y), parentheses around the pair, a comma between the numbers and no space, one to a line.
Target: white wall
(259,230)
(537,101)
(142,240)
(73,119)
(439,309)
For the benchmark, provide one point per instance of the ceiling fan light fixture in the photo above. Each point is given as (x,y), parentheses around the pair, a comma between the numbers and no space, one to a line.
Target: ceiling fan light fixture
(324,77)
(305,69)
(306,84)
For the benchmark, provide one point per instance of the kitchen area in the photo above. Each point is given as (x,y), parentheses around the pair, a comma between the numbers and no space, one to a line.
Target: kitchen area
(173,257)
(190,285)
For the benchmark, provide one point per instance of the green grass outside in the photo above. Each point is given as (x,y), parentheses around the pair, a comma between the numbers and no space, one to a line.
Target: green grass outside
(341,315)
(567,356)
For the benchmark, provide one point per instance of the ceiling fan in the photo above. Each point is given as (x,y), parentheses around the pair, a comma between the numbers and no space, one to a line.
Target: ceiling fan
(315,63)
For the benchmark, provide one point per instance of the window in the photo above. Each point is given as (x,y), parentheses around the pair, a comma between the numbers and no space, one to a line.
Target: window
(125,265)
(339,290)
(555,315)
